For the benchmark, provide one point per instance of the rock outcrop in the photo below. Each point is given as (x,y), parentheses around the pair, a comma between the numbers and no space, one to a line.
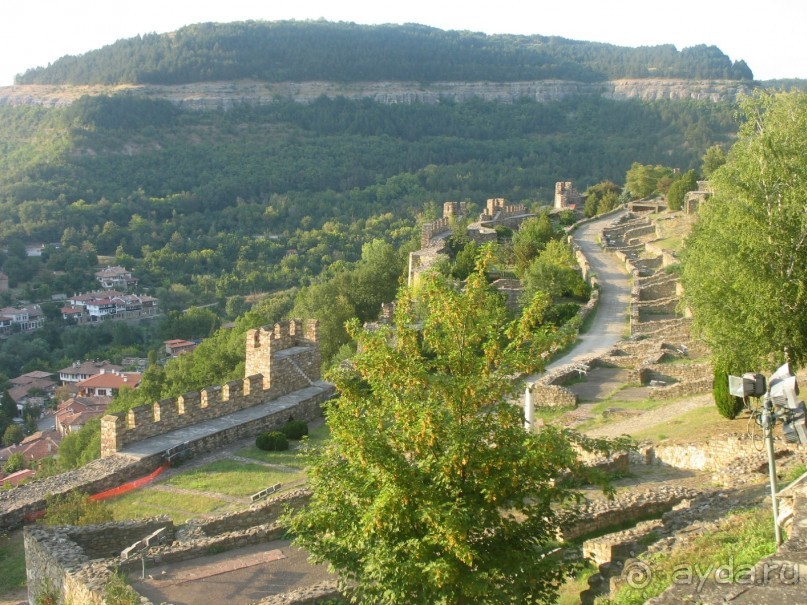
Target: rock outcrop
(224,95)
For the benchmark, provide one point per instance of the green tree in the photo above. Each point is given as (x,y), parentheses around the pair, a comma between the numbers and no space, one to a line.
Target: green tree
(530,239)
(643,180)
(15,463)
(601,197)
(8,405)
(679,188)
(713,159)
(727,404)
(556,273)
(12,435)
(430,490)
(745,263)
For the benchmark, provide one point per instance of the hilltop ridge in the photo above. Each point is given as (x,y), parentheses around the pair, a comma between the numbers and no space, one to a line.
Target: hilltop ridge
(295,51)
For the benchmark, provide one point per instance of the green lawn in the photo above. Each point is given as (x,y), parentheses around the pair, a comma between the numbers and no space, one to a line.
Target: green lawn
(696,425)
(233,478)
(12,562)
(150,503)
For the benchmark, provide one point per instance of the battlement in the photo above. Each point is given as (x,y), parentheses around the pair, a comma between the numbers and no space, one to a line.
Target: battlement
(430,230)
(280,360)
(498,209)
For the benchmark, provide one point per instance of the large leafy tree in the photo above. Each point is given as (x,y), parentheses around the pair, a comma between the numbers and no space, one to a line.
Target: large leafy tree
(430,490)
(745,264)
(644,180)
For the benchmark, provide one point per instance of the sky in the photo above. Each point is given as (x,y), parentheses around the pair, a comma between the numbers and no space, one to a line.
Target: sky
(768,36)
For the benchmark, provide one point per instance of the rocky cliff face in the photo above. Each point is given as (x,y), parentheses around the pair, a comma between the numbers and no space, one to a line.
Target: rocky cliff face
(211,95)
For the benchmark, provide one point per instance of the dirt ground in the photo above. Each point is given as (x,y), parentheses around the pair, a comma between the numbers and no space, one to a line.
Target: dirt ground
(234,577)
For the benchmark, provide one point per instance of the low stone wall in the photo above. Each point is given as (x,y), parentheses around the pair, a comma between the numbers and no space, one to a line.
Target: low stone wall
(619,545)
(552,395)
(680,389)
(596,516)
(204,545)
(684,372)
(317,593)
(720,454)
(99,475)
(76,562)
(263,512)
(665,286)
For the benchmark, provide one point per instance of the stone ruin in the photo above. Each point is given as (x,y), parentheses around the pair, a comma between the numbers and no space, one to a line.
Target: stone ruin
(77,562)
(434,234)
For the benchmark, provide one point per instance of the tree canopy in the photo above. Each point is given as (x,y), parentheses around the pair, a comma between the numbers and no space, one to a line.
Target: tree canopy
(430,490)
(745,263)
(347,52)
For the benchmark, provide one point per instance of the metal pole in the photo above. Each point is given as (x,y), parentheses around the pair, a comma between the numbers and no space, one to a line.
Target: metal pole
(529,409)
(768,420)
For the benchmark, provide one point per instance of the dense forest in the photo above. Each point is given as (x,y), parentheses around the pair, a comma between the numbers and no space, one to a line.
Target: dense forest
(226,207)
(347,52)
(258,198)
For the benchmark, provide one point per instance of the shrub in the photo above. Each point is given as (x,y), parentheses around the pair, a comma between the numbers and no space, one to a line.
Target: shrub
(75,508)
(727,404)
(273,441)
(118,592)
(295,429)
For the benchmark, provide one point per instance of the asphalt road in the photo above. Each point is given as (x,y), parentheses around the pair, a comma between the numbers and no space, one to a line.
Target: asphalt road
(609,324)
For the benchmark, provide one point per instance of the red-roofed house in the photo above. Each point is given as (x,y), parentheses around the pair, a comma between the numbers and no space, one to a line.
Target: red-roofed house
(75,412)
(107,385)
(34,447)
(115,277)
(177,347)
(17,478)
(81,371)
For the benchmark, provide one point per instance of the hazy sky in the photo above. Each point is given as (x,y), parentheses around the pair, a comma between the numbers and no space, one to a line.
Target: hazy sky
(768,35)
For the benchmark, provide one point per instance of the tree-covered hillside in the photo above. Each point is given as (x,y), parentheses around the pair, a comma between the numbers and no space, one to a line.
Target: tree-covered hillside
(347,52)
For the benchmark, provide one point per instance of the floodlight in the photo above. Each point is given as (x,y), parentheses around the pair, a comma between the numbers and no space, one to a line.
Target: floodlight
(747,385)
(784,388)
(794,427)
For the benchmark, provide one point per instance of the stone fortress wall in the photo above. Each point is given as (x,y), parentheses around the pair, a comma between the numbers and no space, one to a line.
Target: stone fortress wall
(279,361)
(434,234)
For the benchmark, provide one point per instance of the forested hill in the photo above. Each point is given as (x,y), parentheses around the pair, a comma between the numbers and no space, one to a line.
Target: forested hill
(346,52)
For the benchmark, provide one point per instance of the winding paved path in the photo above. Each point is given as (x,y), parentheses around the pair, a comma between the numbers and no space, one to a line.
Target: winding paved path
(609,323)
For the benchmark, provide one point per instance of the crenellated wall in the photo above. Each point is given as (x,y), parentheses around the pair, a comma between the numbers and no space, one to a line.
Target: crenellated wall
(279,360)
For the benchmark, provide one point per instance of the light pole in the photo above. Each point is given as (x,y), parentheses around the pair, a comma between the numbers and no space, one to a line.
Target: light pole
(768,421)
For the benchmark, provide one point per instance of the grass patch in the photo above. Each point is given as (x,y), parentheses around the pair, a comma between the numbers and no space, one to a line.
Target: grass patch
(569,593)
(673,244)
(150,503)
(292,458)
(233,478)
(551,413)
(696,425)
(743,541)
(12,562)
(597,410)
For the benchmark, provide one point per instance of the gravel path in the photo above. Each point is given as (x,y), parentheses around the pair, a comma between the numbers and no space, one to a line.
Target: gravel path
(651,418)
(608,324)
